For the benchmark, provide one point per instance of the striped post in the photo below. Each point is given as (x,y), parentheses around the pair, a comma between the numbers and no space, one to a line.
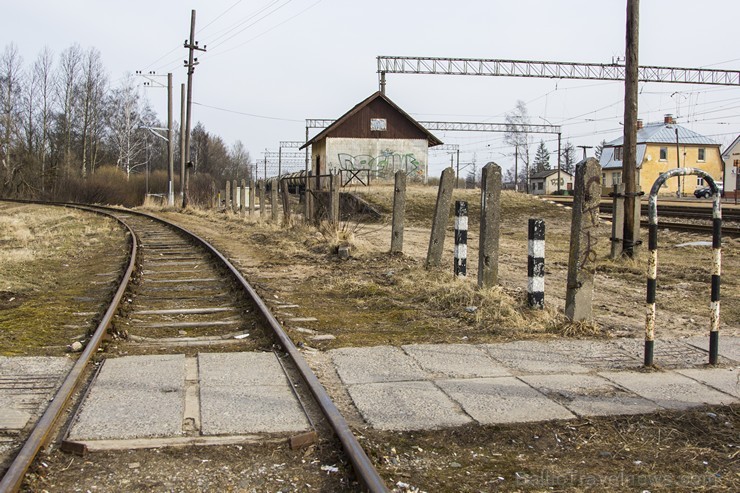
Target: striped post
(536,264)
(652,273)
(461,238)
(716,272)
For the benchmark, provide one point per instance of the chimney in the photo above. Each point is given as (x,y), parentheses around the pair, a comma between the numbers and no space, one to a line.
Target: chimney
(639,124)
(668,119)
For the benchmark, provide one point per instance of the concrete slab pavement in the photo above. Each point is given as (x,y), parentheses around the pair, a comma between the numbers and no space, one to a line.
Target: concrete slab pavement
(134,397)
(529,381)
(406,406)
(26,385)
(668,389)
(166,398)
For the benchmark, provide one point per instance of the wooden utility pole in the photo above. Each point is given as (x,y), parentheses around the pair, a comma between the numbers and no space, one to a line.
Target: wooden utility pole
(182,144)
(191,45)
(170,146)
(629,152)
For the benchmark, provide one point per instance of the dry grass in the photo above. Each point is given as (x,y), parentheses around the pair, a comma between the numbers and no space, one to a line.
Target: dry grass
(378,298)
(49,258)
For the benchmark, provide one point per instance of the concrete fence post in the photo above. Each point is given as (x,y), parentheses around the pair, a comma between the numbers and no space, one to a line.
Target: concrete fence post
(617,219)
(243,201)
(461,239)
(536,264)
(263,205)
(334,199)
(214,195)
(490,225)
(274,209)
(227,195)
(308,196)
(583,239)
(399,210)
(441,216)
(251,197)
(234,197)
(286,205)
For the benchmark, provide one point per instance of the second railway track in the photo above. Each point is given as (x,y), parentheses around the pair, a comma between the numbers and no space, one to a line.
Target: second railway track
(193,357)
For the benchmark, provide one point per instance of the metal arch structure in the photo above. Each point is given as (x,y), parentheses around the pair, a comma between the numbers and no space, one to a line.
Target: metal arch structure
(549,70)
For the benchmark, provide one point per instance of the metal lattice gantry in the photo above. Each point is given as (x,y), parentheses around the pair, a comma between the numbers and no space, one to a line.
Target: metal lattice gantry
(463,127)
(291,144)
(549,70)
(490,127)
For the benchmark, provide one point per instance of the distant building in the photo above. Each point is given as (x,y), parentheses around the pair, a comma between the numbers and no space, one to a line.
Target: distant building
(656,154)
(375,135)
(731,158)
(546,182)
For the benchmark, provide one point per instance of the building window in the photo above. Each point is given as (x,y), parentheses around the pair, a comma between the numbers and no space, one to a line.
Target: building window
(378,125)
(603,178)
(539,185)
(699,181)
(618,153)
(702,153)
(616,177)
(664,154)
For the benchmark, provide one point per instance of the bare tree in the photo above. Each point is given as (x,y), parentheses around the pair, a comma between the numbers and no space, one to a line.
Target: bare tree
(10,102)
(239,160)
(124,120)
(91,96)
(67,89)
(42,73)
(517,136)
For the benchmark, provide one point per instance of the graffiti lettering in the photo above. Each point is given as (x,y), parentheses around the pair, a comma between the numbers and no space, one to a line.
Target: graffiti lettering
(385,165)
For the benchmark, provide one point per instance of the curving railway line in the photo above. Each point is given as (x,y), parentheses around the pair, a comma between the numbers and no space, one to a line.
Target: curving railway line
(181,302)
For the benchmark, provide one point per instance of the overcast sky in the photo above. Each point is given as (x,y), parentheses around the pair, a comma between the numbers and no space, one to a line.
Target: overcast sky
(271,64)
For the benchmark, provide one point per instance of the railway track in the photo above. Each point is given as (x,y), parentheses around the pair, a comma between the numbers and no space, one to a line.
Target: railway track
(183,305)
(684,213)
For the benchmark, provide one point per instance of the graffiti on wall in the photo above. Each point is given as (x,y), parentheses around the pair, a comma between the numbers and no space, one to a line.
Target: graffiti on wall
(384,165)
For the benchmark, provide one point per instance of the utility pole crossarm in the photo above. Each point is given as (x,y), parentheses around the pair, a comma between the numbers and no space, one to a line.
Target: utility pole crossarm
(551,70)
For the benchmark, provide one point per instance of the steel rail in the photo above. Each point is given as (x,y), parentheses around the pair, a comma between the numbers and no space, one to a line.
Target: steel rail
(361,464)
(13,478)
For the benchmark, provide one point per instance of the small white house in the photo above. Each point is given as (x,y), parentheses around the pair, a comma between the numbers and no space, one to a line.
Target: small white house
(546,182)
(731,171)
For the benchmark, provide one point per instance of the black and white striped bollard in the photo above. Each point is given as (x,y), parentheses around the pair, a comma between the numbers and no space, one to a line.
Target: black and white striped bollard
(536,264)
(652,272)
(461,238)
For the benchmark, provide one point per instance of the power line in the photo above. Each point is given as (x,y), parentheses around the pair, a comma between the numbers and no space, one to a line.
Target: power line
(248,25)
(247,114)
(269,30)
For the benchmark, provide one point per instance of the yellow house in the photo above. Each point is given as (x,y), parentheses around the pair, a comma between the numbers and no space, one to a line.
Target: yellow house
(658,145)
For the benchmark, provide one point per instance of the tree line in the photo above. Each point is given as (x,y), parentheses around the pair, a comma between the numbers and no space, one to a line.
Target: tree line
(62,119)
(517,137)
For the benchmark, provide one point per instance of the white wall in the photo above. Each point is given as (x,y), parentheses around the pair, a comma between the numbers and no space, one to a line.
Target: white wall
(384,156)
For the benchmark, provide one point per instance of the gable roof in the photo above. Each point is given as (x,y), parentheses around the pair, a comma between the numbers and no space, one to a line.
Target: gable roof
(546,173)
(608,160)
(665,133)
(431,139)
(726,152)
